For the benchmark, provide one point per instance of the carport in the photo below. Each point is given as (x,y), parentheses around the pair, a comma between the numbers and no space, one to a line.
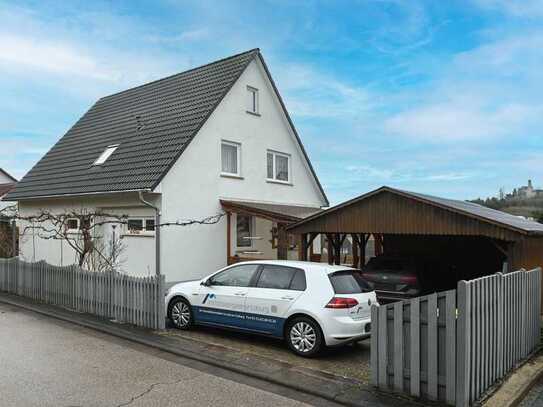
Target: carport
(455,239)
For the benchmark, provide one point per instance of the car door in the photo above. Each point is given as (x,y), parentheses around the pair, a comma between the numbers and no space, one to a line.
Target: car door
(222,299)
(276,289)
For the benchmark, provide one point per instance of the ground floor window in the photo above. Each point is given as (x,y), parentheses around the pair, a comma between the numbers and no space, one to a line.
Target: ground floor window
(244,230)
(140,225)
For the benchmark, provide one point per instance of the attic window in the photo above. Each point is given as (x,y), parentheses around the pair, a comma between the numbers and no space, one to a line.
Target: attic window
(106,154)
(252,100)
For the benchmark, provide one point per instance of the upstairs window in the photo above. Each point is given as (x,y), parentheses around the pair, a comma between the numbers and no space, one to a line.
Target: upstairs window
(252,100)
(278,167)
(230,158)
(106,154)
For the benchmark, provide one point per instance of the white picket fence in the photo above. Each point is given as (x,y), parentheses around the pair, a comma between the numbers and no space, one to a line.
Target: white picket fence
(452,346)
(134,300)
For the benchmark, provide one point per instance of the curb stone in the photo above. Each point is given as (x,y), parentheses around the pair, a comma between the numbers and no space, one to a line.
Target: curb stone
(515,387)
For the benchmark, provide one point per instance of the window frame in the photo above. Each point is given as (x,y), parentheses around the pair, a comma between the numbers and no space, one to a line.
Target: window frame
(251,232)
(296,271)
(71,230)
(238,152)
(253,93)
(104,156)
(143,231)
(276,154)
(252,280)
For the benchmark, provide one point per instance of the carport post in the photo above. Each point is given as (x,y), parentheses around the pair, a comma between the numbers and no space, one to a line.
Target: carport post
(303,247)
(330,248)
(355,246)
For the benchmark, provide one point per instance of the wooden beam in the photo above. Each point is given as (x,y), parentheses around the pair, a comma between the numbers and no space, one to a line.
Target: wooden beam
(355,245)
(378,244)
(282,242)
(498,245)
(302,255)
(330,248)
(228,237)
(363,243)
(339,243)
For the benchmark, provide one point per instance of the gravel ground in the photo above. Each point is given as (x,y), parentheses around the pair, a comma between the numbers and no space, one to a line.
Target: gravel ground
(351,361)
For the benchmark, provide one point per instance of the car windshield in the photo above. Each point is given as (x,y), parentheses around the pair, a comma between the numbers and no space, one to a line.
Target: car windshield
(349,282)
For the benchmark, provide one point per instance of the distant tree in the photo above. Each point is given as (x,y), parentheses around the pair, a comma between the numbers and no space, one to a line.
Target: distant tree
(538,216)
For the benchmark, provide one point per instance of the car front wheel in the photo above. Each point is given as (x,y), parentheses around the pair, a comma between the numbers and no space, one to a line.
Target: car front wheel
(304,337)
(180,313)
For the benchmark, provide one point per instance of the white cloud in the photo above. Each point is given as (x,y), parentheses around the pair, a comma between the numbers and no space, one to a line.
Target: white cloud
(492,91)
(18,52)
(452,121)
(519,8)
(311,93)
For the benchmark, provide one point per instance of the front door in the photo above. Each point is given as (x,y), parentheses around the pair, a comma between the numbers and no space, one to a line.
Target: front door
(223,300)
(268,303)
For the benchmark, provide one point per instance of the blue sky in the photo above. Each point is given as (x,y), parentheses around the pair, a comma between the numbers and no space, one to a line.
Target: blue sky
(442,97)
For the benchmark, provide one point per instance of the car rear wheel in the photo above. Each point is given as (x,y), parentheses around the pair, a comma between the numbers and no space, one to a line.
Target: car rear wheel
(304,337)
(180,313)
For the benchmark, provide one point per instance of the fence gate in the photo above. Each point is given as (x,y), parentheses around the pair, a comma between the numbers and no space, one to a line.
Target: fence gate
(112,295)
(452,346)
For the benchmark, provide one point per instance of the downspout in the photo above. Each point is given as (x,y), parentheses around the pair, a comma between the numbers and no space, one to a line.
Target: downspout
(157,231)
(160,315)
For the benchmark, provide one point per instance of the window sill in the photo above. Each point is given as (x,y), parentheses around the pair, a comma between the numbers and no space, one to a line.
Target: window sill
(253,113)
(274,181)
(144,234)
(225,175)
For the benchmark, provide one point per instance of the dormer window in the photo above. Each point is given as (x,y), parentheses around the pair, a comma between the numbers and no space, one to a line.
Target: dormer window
(252,100)
(106,154)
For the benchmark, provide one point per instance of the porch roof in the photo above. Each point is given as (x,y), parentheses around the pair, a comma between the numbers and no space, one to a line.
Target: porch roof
(274,212)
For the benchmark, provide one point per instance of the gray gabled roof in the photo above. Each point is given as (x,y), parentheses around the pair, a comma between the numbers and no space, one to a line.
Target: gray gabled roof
(470,209)
(152,123)
(480,211)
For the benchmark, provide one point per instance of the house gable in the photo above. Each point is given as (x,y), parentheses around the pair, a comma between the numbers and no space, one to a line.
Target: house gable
(270,130)
(6,178)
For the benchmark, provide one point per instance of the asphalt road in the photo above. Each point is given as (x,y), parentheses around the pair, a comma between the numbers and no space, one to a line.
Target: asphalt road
(45,362)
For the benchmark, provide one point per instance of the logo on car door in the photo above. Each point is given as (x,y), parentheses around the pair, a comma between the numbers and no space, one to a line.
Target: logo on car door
(208,297)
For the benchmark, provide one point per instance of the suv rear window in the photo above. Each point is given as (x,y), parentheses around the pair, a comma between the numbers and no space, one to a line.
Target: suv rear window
(349,282)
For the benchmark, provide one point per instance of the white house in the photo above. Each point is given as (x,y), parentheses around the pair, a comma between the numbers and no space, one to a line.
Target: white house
(215,139)
(7,183)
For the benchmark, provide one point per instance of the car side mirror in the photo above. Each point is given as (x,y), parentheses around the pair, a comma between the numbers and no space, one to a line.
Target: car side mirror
(206,282)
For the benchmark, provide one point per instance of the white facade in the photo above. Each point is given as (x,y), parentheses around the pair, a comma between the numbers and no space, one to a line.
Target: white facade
(194,185)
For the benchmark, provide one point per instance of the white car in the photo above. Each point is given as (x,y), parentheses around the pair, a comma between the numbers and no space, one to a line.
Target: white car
(308,304)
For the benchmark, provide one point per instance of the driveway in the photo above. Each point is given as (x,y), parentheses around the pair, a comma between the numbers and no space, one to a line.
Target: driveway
(46,362)
(351,361)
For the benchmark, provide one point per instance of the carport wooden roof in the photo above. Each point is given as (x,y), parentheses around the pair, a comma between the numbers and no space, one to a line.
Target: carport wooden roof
(389,210)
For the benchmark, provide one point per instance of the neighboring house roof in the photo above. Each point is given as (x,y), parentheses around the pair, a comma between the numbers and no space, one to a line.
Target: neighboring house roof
(5,188)
(502,219)
(8,175)
(274,212)
(152,124)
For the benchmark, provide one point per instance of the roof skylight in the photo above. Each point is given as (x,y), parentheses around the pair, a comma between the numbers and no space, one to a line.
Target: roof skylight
(106,154)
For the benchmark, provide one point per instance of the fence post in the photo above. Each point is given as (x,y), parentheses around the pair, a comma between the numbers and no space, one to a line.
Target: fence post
(374,348)
(463,339)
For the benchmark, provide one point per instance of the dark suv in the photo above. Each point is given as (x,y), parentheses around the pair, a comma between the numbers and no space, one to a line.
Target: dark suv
(393,278)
